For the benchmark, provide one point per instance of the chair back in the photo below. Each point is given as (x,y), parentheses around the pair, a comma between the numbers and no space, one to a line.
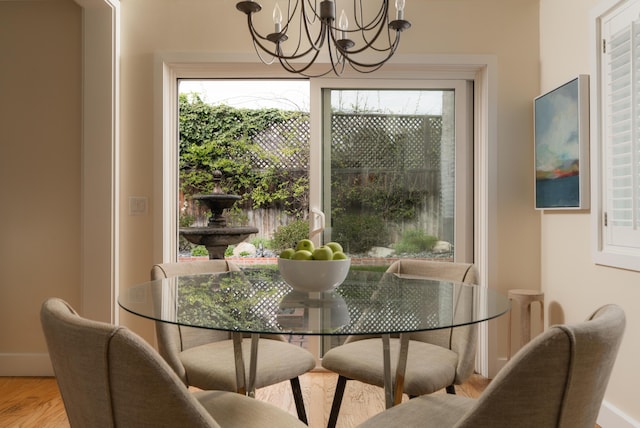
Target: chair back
(462,340)
(556,380)
(455,271)
(110,377)
(173,339)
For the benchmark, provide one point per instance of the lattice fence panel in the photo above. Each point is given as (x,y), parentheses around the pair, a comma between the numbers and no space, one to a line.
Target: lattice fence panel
(287,146)
(372,141)
(389,142)
(362,144)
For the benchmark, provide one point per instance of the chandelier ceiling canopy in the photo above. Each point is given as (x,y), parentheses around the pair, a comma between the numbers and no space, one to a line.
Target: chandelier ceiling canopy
(362,37)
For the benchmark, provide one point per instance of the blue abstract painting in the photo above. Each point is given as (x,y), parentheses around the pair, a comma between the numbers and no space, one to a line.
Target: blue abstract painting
(558,150)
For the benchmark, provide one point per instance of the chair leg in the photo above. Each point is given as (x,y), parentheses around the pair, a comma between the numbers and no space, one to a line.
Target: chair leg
(451,389)
(337,401)
(297,397)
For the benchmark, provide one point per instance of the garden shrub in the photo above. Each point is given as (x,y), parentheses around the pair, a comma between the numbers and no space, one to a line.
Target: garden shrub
(287,236)
(415,241)
(199,250)
(359,232)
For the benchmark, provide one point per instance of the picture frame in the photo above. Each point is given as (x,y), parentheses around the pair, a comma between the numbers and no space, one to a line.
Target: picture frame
(561,136)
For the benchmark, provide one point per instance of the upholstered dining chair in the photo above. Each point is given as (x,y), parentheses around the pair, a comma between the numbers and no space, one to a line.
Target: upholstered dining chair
(110,377)
(205,359)
(437,359)
(557,380)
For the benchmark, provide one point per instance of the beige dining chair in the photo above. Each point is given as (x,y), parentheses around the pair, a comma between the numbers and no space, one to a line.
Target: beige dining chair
(110,377)
(436,359)
(557,380)
(205,358)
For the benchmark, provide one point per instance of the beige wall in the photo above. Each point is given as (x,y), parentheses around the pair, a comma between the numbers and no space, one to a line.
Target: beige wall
(40,149)
(573,285)
(40,129)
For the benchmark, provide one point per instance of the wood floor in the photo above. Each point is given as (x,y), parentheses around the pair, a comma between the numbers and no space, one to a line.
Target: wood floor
(27,402)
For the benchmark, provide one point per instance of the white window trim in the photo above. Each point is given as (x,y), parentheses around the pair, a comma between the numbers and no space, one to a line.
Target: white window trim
(482,69)
(100,159)
(602,254)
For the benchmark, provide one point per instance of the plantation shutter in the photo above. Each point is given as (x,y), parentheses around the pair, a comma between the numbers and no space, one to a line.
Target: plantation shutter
(621,130)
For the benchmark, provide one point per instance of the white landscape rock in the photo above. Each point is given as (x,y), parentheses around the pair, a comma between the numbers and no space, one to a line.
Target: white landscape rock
(380,252)
(244,248)
(442,247)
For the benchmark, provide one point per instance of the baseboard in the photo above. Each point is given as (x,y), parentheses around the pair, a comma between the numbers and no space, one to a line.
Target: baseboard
(25,364)
(611,417)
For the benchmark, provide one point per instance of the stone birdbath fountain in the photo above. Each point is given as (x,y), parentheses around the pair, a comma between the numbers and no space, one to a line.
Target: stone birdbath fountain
(216,236)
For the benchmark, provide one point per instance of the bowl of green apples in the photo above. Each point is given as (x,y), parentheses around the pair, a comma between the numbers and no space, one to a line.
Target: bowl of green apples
(310,268)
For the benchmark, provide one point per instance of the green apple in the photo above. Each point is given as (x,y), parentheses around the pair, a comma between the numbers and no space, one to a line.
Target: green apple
(302,255)
(287,253)
(323,253)
(305,244)
(335,247)
(339,255)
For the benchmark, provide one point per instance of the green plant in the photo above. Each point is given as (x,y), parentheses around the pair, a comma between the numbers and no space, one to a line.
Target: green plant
(229,251)
(266,242)
(287,236)
(359,232)
(199,250)
(220,137)
(186,220)
(415,241)
(237,217)
(244,253)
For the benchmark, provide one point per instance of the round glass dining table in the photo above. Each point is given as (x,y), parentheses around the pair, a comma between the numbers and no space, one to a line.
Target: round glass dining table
(258,301)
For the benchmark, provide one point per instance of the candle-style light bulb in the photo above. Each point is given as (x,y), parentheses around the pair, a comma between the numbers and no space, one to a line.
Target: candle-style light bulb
(400,9)
(277,18)
(343,24)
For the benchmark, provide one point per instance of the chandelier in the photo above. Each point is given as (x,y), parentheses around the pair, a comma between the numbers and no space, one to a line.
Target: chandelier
(366,45)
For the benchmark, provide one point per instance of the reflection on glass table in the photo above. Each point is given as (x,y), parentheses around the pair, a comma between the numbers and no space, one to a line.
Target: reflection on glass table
(259,301)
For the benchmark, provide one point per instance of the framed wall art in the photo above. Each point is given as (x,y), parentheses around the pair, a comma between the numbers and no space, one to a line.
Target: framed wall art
(561,127)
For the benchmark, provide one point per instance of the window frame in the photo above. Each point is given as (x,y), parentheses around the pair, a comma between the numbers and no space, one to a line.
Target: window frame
(463,88)
(604,251)
(482,69)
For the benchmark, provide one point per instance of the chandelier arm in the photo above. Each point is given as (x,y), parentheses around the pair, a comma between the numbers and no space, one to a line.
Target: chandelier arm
(277,51)
(379,19)
(339,57)
(320,39)
(284,61)
(367,70)
(369,43)
(315,15)
(289,19)
(281,55)
(269,62)
(376,65)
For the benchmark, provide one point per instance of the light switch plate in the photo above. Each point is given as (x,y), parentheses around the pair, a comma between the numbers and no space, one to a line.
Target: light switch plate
(138,205)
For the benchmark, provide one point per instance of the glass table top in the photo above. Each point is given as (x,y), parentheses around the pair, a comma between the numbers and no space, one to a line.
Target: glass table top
(258,300)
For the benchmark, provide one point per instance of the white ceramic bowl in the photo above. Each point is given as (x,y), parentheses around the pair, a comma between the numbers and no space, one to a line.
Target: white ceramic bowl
(314,275)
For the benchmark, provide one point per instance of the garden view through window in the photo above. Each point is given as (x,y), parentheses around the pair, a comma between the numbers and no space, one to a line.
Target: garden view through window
(388,156)
(388,165)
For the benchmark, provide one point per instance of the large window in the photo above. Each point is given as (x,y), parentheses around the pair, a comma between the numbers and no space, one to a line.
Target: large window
(616,127)
(395,162)
(395,180)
